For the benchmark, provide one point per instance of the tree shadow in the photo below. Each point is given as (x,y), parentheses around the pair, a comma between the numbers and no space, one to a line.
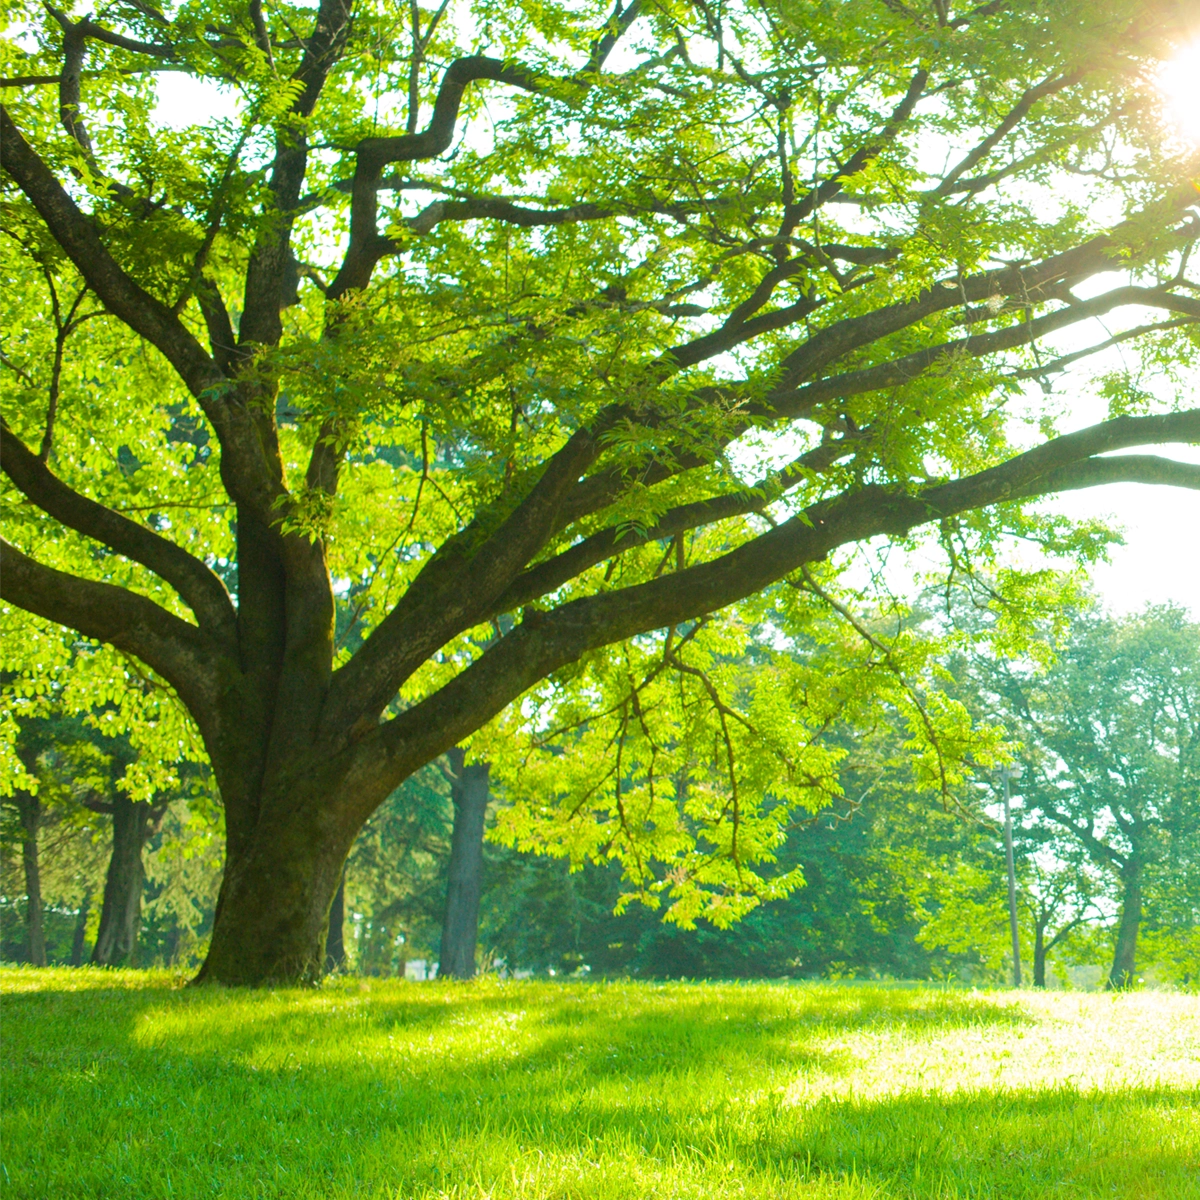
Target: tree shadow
(409,1090)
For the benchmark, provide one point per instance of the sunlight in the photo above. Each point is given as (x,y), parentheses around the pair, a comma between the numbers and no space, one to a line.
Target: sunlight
(1179,81)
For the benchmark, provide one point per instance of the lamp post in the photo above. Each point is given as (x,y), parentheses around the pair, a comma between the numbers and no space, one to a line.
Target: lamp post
(1007,774)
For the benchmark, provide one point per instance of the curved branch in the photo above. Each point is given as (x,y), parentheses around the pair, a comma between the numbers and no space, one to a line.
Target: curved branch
(1033,284)
(200,589)
(555,572)
(903,370)
(1118,468)
(124,298)
(503,210)
(1015,116)
(546,642)
(177,651)
(367,246)
(89,29)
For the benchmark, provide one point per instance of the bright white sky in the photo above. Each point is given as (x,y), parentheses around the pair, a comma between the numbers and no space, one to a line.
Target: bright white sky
(1160,561)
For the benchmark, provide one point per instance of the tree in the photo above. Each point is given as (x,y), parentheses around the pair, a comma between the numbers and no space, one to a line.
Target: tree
(624,363)
(133,823)
(29,807)
(55,762)
(396,876)
(1112,736)
(49,756)
(464,872)
(85,736)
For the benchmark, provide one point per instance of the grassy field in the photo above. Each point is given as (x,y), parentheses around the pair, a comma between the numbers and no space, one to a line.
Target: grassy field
(122,1084)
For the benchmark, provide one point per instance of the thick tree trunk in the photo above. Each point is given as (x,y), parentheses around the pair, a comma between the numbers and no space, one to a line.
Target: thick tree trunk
(460,928)
(133,822)
(1125,957)
(335,939)
(80,938)
(30,808)
(272,918)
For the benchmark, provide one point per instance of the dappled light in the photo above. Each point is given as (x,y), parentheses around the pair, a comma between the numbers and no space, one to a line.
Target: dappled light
(379,1089)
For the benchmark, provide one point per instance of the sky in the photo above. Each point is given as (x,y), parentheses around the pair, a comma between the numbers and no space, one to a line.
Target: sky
(1159,562)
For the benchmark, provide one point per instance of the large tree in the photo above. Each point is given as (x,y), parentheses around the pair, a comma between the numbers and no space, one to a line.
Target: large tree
(524,330)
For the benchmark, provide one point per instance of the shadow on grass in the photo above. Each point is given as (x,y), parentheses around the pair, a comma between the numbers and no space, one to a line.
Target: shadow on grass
(593,1091)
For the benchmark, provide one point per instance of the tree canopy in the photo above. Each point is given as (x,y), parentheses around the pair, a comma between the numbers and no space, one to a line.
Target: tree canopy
(517,332)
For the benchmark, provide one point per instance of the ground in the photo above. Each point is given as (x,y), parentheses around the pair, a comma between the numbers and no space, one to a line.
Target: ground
(124,1084)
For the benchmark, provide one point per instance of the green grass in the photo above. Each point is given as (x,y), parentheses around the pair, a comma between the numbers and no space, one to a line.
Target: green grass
(122,1084)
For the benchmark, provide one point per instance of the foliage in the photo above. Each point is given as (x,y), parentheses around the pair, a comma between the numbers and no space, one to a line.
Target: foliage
(396,877)
(523,331)
(1111,757)
(86,726)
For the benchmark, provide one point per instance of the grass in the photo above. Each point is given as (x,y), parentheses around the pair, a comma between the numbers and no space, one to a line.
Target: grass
(122,1084)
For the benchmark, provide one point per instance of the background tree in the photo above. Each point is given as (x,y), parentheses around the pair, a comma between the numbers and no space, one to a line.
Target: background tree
(1112,734)
(86,737)
(1060,898)
(464,871)
(396,877)
(624,313)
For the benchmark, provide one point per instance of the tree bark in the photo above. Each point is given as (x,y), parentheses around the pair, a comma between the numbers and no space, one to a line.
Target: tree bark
(272,919)
(133,822)
(335,939)
(460,928)
(1039,954)
(30,808)
(80,938)
(1125,956)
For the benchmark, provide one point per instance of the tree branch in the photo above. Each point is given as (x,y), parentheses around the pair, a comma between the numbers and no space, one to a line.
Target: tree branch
(1016,115)
(546,642)
(199,587)
(457,588)
(554,572)
(177,651)
(904,370)
(367,245)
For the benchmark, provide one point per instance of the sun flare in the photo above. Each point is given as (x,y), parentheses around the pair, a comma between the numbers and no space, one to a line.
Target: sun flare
(1179,81)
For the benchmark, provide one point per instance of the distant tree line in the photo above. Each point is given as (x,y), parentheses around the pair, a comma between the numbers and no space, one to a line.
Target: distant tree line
(1106,741)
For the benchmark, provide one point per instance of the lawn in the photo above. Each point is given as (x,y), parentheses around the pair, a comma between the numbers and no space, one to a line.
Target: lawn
(122,1084)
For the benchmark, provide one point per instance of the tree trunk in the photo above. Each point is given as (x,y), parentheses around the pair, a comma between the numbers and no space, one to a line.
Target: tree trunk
(30,808)
(133,822)
(335,939)
(1039,953)
(1124,960)
(460,929)
(272,919)
(81,920)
